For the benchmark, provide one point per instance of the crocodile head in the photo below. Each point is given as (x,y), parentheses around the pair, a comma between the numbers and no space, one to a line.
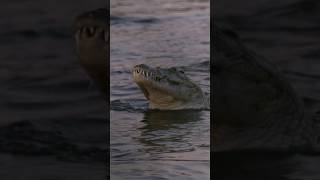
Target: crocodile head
(91,33)
(167,88)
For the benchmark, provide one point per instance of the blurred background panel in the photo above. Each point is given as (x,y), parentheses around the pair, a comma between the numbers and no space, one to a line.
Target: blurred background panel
(286,33)
(53,121)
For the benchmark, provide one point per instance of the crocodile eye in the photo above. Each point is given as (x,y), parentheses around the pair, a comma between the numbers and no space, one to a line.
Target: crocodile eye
(181,71)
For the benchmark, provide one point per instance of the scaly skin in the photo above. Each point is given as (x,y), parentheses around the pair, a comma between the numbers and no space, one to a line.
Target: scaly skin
(169,89)
(255,108)
(254,105)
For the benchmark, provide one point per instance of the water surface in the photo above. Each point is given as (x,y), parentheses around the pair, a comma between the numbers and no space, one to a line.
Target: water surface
(150,144)
(53,122)
(285,33)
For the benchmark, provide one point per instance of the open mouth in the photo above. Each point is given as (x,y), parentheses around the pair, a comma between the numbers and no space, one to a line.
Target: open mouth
(92,32)
(145,92)
(138,71)
(92,24)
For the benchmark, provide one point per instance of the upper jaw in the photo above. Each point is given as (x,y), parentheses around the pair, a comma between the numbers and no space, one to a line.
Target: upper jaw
(99,17)
(143,73)
(92,24)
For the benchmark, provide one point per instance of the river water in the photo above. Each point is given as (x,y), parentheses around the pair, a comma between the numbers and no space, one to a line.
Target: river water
(148,144)
(53,122)
(286,33)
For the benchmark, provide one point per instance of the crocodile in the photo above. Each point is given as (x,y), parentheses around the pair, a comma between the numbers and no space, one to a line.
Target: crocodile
(92,38)
(169,88)
(255,106)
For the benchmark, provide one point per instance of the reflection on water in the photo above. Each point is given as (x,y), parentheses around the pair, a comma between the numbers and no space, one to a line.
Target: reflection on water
(168,131)
(161,143)
(149,144)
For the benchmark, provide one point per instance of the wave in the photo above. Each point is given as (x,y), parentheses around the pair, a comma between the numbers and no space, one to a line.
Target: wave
(55,138)
(132,105)
(116,20)
(35,34)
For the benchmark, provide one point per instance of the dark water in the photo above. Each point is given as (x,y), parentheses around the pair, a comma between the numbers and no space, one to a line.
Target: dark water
(287,34)
(53,120)
(148,144)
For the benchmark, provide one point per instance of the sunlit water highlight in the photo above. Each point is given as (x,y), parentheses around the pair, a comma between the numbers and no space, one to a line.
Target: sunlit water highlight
(149,144)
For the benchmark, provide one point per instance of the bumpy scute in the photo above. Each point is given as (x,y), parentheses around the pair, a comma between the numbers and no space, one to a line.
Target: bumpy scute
(169,88)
